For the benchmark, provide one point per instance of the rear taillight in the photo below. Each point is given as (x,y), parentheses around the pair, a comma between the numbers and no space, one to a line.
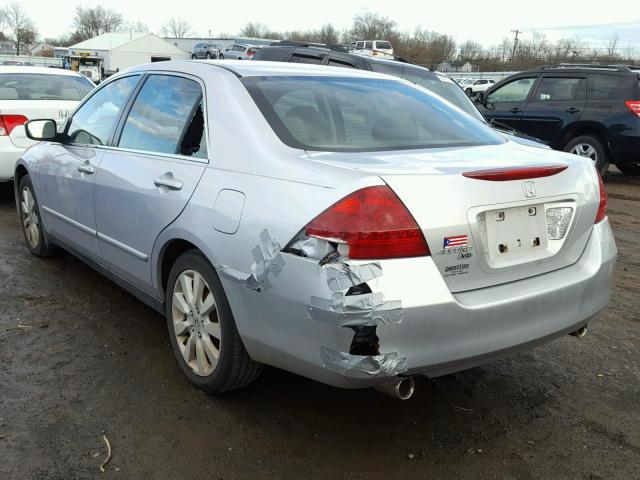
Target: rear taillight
(9,122)
(251,54)
(602,207)
(374,223)
(515,173)
(634,106)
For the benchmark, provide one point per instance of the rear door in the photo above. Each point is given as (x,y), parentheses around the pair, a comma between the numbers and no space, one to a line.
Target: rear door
(558,101)
(144,183)
(506,103)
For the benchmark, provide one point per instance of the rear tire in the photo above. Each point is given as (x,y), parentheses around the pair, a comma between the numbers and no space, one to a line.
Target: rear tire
(469,92)
(193,57)
(201,326)
(31,221)
(590,147)
(631,169)
(208,56)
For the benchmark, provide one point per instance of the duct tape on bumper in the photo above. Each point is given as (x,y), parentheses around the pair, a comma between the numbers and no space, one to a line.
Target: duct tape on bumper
(363,366)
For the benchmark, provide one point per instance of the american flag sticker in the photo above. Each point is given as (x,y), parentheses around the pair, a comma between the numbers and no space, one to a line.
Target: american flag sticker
(455,241)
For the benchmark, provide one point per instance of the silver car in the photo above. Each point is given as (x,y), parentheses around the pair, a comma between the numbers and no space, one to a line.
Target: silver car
(238,51)
(341,224)
(207,50)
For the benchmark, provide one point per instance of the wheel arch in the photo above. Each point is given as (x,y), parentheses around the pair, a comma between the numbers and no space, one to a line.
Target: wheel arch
(168,255)
(592,129)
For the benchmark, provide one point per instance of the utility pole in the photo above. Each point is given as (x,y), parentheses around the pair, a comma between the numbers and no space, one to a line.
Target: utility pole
(515,45)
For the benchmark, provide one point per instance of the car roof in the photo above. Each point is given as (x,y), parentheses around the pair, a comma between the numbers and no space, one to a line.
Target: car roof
(255,68)
(38,70)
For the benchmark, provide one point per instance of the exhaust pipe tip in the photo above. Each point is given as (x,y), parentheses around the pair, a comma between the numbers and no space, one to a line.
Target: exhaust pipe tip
(401,390)
(581,332)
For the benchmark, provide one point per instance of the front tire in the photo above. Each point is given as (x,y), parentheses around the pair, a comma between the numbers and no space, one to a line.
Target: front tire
(31,220)
(592,148)
(202,330)
(208,56)
(469,92)
(193,57)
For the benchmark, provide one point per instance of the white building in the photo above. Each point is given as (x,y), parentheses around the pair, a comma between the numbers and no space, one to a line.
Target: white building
(123,50)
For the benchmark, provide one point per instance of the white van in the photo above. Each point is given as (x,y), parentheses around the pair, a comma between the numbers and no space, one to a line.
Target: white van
(373,48)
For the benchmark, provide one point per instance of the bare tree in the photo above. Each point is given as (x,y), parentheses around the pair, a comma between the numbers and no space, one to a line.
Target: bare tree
(611,44)
(91,22)
(18,23)
(471,50)
(177,28)
(257,30)
(371,26)
(135,27)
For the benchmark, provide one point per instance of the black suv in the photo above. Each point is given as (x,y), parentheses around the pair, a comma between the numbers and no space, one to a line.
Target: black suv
(337,56)
(589,110)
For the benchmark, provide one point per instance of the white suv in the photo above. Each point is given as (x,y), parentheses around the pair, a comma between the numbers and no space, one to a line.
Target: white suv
(373,48)
(476,86)
(29,93)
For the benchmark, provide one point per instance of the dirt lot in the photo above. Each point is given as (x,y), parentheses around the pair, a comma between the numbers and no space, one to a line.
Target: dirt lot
(80,358)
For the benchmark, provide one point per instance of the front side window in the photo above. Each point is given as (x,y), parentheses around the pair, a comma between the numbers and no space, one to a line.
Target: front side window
(368,45)
(308,59)
(167,117)
(561,89)
(362,114)
(96,119)
(515,91)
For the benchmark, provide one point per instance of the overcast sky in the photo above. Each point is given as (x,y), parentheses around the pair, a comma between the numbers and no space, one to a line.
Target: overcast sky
(484,21)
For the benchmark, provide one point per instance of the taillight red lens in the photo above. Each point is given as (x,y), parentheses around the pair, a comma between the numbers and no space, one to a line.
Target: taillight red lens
(515,173)
(374,223)
(9,122)
(602,207)
(634,106)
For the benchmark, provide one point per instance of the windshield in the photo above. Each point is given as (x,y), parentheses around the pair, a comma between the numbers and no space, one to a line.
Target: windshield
(446,88)
(360,114)
(31,86)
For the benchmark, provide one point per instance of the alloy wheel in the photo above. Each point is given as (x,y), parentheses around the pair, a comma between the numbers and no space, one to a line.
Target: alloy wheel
(30,220)
(195,322)
(586,150)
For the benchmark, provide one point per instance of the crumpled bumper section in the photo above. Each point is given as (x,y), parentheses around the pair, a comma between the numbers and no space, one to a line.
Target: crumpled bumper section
(308,309)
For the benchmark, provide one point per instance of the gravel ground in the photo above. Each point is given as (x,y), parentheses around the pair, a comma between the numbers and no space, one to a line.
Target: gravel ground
(80,358)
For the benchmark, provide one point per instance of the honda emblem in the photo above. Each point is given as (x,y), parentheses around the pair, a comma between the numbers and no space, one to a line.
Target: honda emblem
(529,189)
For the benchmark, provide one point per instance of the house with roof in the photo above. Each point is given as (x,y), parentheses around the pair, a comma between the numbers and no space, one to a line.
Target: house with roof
(458,66)
(121,50)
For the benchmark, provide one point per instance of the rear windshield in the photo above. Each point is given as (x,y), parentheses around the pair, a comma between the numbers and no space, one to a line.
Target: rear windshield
(383,46)
(32,86)
(360,115)
(446,88)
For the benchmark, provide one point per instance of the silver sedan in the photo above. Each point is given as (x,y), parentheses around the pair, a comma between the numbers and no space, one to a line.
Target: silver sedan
(340,224)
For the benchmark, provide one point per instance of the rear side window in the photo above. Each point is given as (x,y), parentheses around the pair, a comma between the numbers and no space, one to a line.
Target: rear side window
(368,45)
(166,117)
(561,89)
(606,87)
(308,59)
(274,54)
(383,46)
(390,68)
(361,114)
(338,63)
(32,86)
(96,118)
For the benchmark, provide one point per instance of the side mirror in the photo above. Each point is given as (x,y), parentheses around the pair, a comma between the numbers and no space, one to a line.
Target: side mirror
(41,130)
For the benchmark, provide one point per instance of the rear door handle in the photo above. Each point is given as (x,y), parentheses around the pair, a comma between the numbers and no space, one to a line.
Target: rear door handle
(88,169)
(170,183)
(573,110)
(515,110)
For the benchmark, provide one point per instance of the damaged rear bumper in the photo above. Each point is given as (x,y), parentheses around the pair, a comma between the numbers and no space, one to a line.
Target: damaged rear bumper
(306,321)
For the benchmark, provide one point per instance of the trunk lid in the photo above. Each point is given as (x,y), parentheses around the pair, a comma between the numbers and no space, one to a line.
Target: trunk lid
(57,110)
(484,233)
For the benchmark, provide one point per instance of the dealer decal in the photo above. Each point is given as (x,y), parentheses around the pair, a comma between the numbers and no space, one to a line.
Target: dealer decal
(459,269)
